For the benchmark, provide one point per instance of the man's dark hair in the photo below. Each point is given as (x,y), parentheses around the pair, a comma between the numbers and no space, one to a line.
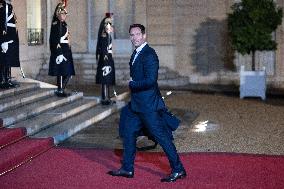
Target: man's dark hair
(142,28)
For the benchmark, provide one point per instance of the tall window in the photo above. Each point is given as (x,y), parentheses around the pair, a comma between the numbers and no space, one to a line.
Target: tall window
(34,22)
(123,11)
(123,16)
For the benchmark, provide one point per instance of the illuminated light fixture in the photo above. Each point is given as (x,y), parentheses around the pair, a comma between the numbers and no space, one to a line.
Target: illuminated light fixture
(201,126)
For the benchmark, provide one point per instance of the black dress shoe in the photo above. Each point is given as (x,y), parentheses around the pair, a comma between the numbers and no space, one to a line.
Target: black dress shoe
(174,176)
(121,173)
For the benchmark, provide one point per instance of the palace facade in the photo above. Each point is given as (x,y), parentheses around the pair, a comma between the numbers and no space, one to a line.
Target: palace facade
(190,36)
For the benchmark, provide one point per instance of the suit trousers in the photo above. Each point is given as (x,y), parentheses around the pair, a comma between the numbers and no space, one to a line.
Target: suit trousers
(157,127)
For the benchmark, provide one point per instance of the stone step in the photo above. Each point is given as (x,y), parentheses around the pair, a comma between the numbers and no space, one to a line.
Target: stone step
(54,116)
(24,112)
(93,66)
(92,69)
(86,66)
(45,66)
(46,78)
(92,59)
(169,75)
(18,90)
(181,81)
(17,100)
(164,70)
(69,127)
(78,56)
(44,72)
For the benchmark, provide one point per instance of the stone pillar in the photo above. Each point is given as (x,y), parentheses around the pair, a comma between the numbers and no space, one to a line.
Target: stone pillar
(78,25)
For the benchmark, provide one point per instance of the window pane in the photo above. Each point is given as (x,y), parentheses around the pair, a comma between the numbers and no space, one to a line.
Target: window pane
(34,13)
(34,25)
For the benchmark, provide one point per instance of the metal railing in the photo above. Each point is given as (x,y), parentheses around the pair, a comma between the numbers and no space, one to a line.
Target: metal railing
(35,36)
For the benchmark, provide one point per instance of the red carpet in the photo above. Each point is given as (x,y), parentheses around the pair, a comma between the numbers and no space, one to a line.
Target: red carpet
(10,135)
(16,148)
(21,151)
(86,168)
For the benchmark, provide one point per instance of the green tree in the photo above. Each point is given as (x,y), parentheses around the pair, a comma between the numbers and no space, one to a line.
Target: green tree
(251,25)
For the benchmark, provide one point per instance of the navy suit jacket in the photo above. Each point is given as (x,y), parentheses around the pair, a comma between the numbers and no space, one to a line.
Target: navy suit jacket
(171,122)
(145,94)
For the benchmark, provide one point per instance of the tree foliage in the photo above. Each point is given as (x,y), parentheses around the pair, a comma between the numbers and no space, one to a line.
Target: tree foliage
(251,25)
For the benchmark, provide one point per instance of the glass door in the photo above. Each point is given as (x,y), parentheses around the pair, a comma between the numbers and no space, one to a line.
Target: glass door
(122,18)
(34,22)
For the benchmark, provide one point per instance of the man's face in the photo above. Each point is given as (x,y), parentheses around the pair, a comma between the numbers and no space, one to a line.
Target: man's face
(136,37)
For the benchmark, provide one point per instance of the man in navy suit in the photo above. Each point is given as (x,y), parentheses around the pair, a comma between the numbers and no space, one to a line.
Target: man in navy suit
(145,107)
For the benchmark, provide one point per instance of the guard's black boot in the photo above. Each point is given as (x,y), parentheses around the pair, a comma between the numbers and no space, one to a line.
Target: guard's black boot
(2,85)
(105,102)
(105,95)
(60,93)
(60,90)
(12,84)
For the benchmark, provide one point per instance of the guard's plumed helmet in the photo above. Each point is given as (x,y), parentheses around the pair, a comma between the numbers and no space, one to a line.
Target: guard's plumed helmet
(108,19)
(61,8)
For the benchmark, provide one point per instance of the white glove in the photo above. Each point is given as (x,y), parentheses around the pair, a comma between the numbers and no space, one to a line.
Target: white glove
(60,59)
(5,46)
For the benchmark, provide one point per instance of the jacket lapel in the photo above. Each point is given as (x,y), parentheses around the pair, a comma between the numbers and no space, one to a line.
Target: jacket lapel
(139,55)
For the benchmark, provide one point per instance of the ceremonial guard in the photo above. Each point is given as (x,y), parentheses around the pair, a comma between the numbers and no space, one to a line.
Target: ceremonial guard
(61,60)
(105,69)
(9,39)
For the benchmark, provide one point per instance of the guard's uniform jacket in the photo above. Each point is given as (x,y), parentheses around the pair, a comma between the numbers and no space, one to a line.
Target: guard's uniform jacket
(105,70)
(60,45)
(9,33)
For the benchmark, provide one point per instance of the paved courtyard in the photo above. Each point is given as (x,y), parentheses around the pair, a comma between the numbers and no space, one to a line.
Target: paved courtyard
(211,122)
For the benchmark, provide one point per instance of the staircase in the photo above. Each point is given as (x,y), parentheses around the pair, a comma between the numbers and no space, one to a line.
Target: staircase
(34,120)
(85,68)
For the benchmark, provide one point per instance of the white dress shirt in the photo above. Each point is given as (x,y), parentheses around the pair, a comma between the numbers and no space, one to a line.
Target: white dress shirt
(138,50)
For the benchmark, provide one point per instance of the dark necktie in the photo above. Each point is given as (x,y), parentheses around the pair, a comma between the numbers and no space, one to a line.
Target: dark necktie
(132,56)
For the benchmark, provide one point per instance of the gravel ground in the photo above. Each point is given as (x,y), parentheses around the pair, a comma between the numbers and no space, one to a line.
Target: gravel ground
(226,123)
(210,122)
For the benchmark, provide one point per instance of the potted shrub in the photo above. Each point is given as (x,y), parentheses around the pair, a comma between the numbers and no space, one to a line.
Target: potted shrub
(251,25)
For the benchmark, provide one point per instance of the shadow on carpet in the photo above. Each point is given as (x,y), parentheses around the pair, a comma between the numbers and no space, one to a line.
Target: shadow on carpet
(86,168)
